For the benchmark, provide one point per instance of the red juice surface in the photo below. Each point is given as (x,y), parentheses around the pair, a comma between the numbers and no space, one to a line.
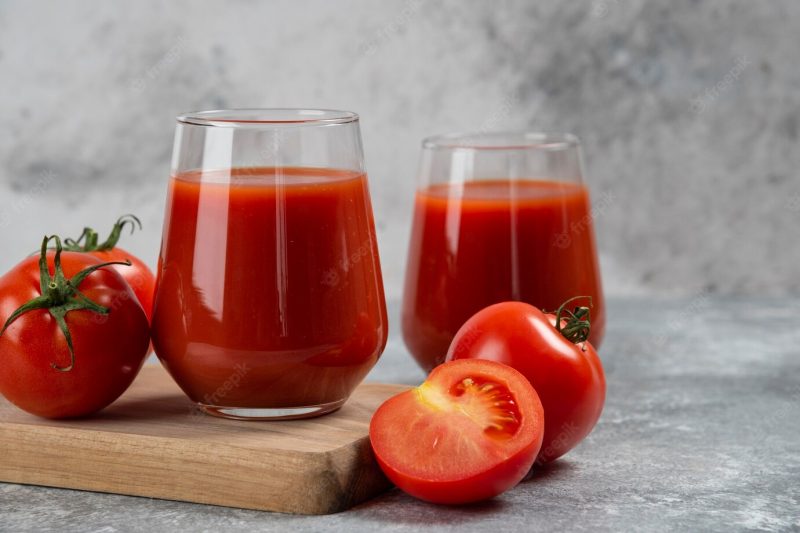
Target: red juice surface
(269,289)
(484,242)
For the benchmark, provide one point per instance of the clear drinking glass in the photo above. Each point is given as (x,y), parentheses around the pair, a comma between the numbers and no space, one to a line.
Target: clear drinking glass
(269,301)
(497,217)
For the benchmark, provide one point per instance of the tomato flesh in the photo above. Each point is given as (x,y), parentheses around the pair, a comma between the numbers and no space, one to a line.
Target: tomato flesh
(470,432)
(568,377)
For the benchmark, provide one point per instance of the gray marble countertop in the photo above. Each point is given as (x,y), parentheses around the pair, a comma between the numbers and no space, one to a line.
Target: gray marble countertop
(701,432)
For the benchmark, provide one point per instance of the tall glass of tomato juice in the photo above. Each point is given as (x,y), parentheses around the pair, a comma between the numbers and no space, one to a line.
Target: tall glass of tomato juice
(497,217)
(269,300)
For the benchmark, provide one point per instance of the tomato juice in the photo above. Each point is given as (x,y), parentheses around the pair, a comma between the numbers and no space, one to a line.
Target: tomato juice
(269,290)
(486,241)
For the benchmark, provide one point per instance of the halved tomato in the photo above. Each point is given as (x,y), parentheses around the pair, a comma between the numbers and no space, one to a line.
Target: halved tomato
(470,432)
(559,362)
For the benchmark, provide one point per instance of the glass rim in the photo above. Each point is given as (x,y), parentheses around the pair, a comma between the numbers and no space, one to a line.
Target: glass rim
(502,140)
(267,117)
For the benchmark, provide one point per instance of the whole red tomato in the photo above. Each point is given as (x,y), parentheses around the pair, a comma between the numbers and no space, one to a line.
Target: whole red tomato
(469,433)
(558,361)
(137,274)
(74,338)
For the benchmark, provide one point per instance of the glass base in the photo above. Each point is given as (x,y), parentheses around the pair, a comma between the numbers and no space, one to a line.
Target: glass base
(271,413)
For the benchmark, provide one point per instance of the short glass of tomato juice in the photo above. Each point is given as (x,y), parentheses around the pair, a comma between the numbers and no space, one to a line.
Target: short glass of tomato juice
(497,217)
(269,299)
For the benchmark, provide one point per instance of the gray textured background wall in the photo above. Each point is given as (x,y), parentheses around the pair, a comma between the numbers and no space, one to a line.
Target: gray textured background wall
(689,112)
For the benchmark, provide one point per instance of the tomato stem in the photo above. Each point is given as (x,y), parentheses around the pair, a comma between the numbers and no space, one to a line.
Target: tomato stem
(90,237)
(575,326)
(61,295)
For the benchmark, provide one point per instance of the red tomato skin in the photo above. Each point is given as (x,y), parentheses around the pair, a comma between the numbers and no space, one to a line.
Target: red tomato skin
(483,486)
(138,275)
(568,377)
(489,483)
(109,349)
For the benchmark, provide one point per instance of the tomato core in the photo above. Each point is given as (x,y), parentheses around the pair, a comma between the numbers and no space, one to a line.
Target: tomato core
(471,431)
(488,404)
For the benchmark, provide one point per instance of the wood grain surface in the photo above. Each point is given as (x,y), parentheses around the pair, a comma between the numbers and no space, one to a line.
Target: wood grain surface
(153,442)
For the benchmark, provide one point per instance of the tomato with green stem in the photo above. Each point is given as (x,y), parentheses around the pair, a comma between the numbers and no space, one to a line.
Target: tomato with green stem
(75,335)
(471,431)
(553,353)
(137,273)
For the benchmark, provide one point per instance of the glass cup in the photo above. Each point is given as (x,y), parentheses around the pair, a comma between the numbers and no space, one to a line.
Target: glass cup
(497,217)
(269,301)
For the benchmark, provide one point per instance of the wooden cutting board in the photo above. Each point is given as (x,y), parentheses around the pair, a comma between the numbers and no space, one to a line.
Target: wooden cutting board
(153,442)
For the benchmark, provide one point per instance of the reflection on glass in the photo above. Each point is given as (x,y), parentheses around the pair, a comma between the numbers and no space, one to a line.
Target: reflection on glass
(269,301)
(497,217)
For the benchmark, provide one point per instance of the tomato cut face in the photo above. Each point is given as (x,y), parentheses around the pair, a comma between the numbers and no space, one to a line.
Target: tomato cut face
(485,402)
(470,432)
(567,375)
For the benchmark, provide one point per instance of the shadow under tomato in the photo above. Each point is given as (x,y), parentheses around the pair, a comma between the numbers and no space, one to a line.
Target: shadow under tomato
(417,512)
(552,470)
(153,408)
(168,408)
